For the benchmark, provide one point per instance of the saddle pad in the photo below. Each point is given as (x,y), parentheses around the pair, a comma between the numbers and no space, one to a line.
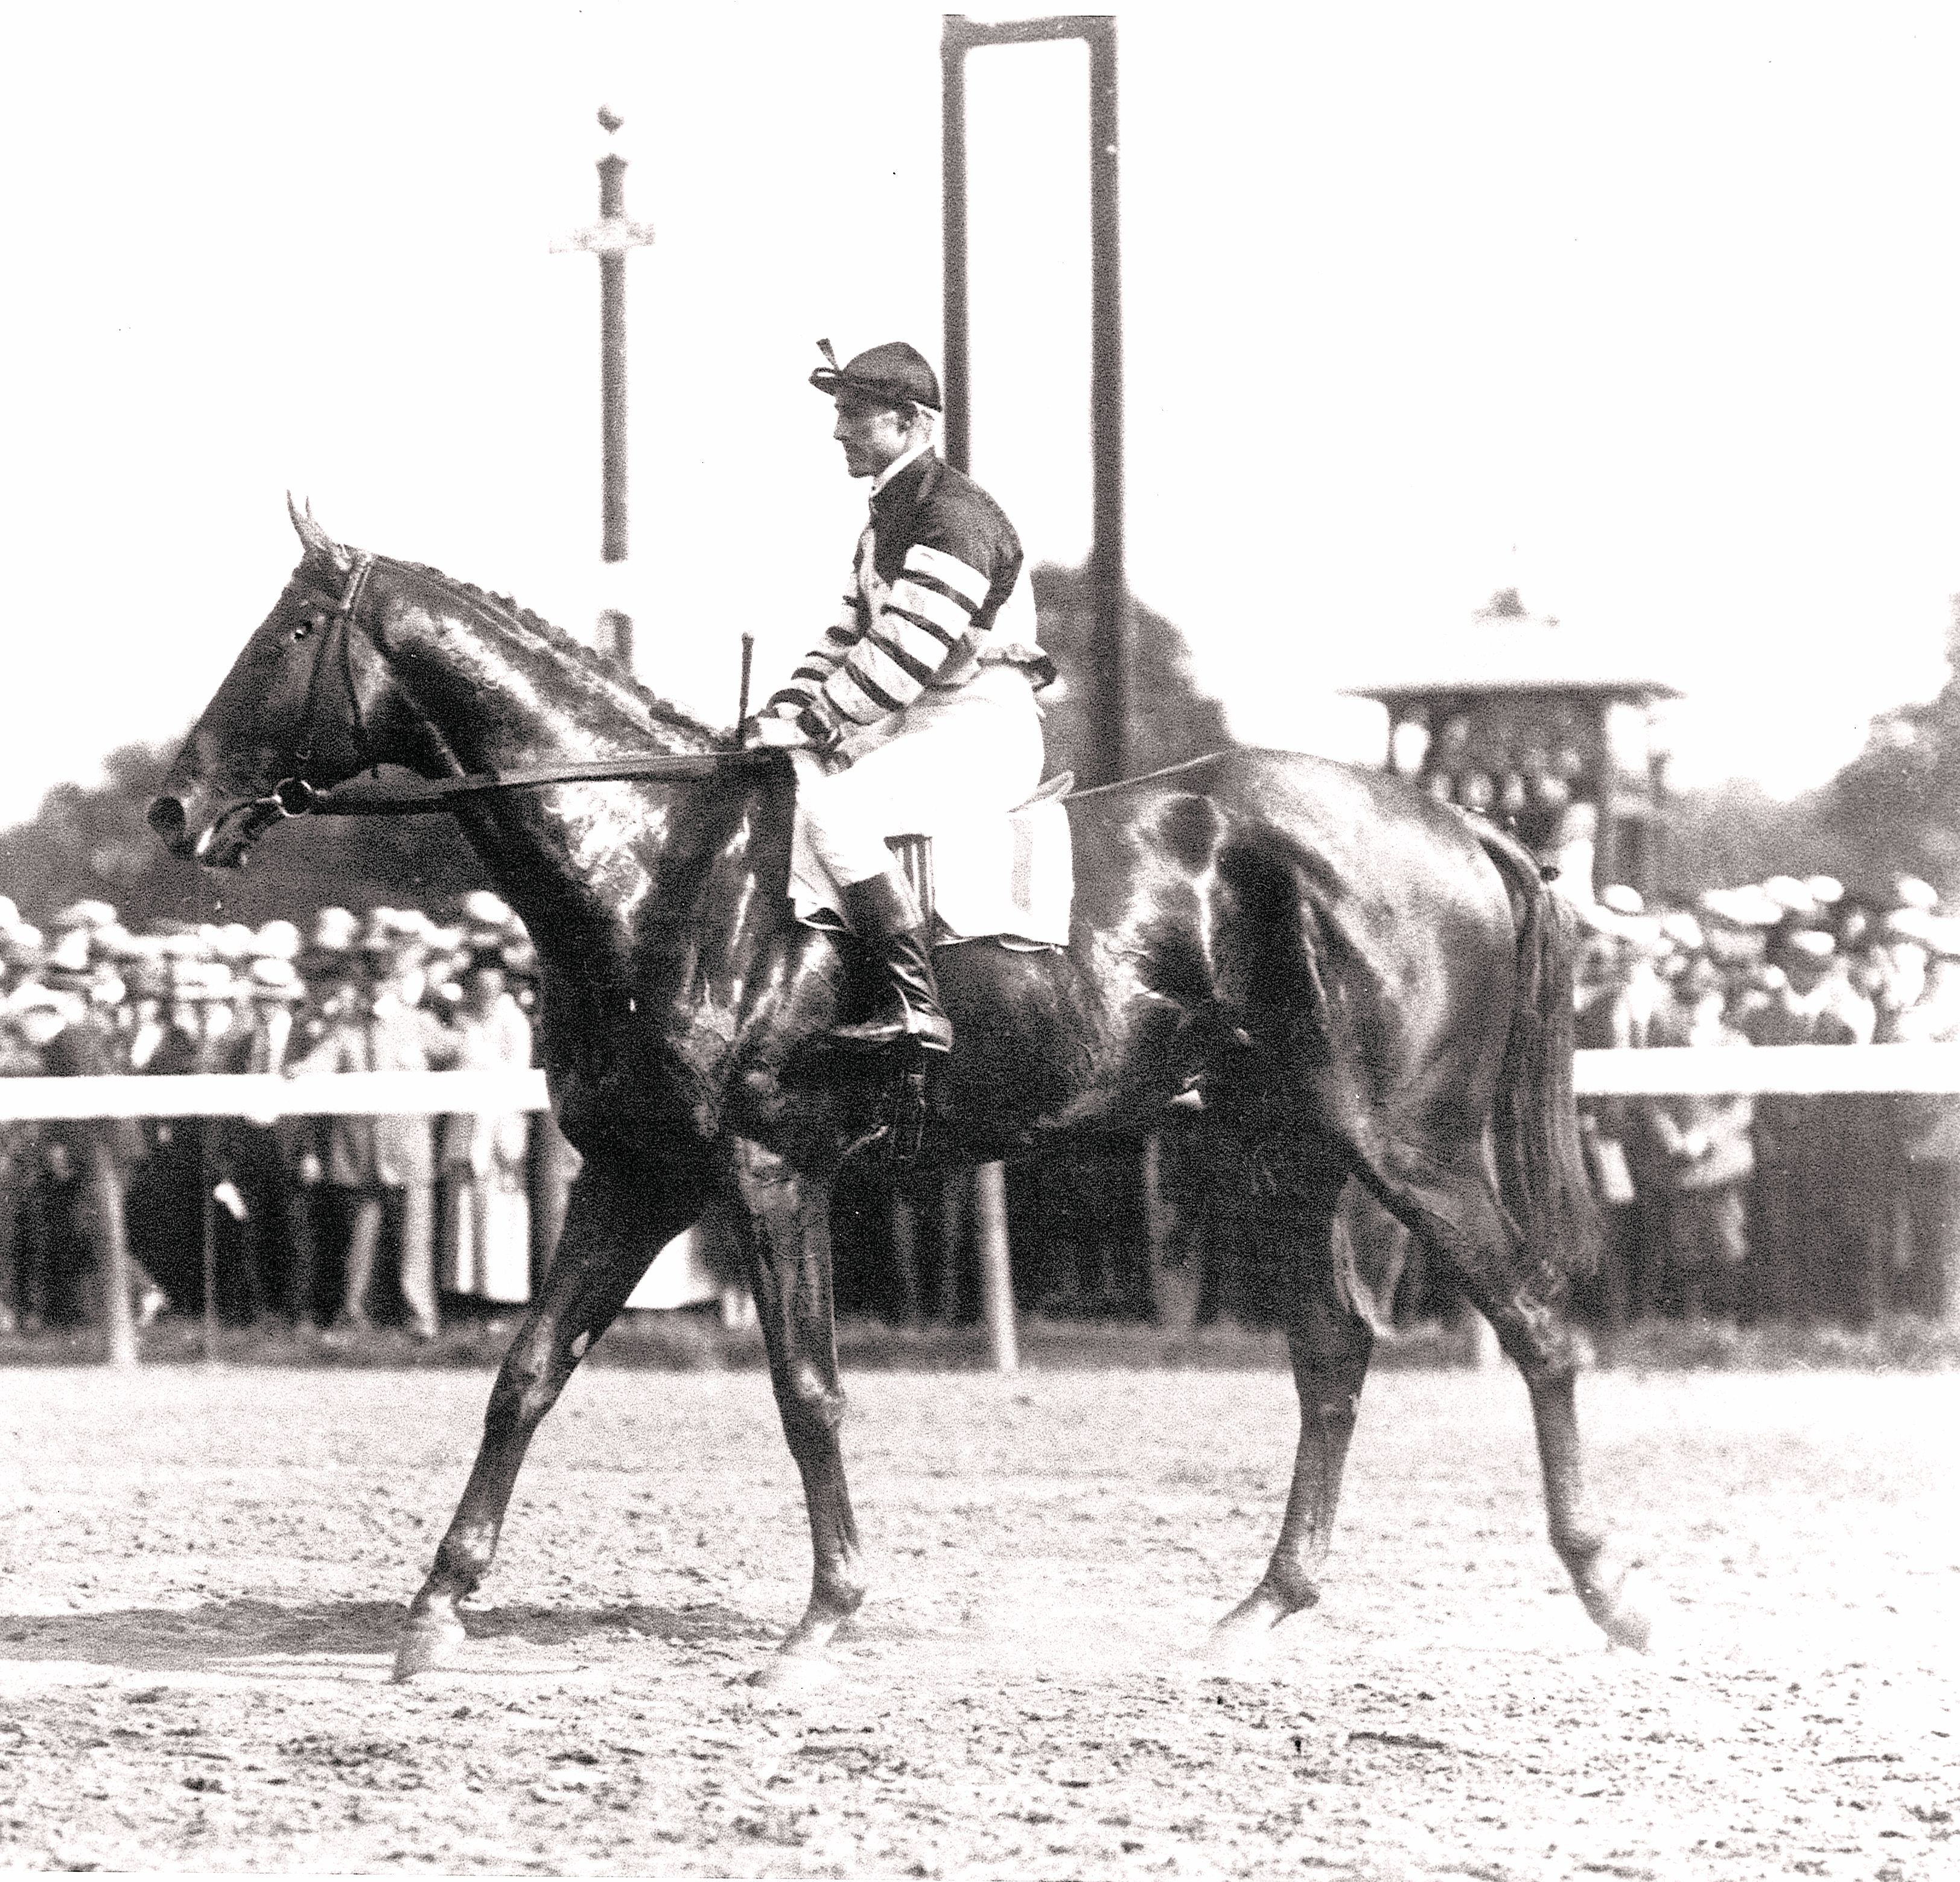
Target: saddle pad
(1012,875)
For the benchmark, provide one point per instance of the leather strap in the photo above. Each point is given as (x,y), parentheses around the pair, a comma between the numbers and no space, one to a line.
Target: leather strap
(426,794)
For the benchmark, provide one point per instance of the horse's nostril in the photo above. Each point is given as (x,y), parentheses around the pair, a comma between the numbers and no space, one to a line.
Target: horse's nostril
(167,819)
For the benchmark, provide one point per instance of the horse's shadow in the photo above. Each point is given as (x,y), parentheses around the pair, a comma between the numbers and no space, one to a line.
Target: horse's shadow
(240,1631)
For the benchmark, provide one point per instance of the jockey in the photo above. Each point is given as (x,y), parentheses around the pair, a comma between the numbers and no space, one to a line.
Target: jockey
(916,708)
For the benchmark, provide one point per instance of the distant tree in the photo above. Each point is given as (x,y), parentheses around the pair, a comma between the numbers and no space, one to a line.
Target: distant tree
(1735,831)
(1504,605)
(91,841)
(1170,719)
(1898,804)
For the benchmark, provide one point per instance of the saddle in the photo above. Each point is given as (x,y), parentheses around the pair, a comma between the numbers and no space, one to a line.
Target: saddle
(1012,880)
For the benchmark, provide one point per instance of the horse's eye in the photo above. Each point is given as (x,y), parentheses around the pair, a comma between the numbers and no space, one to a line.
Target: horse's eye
(304,628)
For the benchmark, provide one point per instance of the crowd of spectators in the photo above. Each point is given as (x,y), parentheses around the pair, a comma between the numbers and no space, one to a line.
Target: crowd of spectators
(332,1221)
(1812,1208)
(1839,1208)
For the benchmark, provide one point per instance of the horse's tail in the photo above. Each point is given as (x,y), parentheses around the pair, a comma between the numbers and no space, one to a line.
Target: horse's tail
(1541,1169)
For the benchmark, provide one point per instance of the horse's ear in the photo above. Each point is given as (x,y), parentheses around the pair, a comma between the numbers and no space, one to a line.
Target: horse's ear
(319,546)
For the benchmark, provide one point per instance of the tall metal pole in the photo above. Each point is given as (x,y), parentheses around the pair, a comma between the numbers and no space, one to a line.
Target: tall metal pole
(1105,684)
(609,239)
(612,357)
(1109,638)
(953,243)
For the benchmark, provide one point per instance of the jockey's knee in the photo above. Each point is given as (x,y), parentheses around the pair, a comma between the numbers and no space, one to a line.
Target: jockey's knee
(849,844)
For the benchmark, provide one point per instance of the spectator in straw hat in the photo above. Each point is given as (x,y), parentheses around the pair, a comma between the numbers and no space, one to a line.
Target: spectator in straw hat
(385,1165)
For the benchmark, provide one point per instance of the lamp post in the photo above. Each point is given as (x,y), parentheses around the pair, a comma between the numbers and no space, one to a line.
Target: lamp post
(610,238)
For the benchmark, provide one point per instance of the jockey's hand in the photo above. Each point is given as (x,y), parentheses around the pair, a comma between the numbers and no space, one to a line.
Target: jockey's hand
(771,733)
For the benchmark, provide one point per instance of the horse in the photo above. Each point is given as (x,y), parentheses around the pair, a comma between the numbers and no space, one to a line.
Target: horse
(1358,985)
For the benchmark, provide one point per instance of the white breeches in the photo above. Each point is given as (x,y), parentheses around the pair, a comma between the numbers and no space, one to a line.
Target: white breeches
(948,757)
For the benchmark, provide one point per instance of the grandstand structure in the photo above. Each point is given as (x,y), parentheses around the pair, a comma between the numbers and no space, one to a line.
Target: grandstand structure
(1551,730)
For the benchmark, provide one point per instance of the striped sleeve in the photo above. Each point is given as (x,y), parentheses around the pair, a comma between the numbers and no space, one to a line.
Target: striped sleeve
(925,618)
(799,693)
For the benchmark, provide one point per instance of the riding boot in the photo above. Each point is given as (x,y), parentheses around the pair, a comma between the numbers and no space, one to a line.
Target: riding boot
(885,917)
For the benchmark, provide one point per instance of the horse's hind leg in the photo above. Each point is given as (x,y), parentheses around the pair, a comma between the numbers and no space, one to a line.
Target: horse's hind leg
(1330,1343)
(612,1231)
(1462,1221)
(1537,1339)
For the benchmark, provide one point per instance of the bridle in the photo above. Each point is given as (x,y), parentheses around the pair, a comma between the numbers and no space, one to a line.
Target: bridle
(296,795)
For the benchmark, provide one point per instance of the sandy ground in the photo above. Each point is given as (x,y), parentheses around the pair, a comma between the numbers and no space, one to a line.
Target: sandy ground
(199,1573)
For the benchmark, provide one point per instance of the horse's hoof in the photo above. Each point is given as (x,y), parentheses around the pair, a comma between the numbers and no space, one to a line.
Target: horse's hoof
(427,1641)
(1236,1649)
(1628,1623)
(791,1673)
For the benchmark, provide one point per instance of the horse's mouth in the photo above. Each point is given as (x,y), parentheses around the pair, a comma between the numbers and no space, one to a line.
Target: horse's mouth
(225,843)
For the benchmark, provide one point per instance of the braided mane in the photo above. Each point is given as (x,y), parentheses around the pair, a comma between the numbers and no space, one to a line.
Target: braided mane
(566,642)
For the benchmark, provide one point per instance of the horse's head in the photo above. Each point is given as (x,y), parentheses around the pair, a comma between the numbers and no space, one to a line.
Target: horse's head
(298,712)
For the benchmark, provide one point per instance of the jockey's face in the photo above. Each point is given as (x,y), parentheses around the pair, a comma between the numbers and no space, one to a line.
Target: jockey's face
(872,435)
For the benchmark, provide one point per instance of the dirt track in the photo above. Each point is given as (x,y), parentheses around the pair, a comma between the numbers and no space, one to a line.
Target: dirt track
(199,1573)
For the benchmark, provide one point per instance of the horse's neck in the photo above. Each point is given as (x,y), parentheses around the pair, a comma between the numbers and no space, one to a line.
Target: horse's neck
(590,868)
(499,691)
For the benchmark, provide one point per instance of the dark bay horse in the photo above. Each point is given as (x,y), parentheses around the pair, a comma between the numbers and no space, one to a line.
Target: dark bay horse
(1361,985)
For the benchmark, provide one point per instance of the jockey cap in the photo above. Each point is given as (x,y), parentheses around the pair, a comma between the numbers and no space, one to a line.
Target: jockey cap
(894,372)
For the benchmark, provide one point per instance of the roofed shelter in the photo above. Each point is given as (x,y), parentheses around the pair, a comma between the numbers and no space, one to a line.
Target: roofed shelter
(1548,731)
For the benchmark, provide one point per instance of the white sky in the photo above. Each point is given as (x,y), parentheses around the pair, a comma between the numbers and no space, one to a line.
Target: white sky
(1650,314)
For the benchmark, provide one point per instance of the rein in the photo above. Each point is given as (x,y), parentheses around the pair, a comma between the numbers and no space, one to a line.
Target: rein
(425,794)
(296,796)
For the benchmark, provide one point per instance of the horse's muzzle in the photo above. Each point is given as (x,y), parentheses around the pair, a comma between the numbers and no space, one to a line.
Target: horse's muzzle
(166,816)
(219,841)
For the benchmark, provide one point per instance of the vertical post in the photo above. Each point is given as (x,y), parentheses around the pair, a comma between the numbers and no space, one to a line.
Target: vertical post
(609,238)
(207,1246)
(1176,1260)
(959,439)
(996,1286)
(613,357)
(952,1193)
(1606,838)
(112,1240)
(904,1261)
(1109,636)
(1105,684)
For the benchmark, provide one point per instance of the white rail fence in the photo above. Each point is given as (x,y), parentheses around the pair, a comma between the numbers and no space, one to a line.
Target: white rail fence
(1657,1072)
(1661,1071)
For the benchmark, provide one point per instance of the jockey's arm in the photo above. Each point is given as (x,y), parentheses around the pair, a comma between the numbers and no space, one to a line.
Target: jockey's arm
(864,669)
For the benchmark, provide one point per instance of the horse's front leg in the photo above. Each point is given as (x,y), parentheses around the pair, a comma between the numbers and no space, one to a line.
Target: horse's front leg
(613,1229)
(783,1222)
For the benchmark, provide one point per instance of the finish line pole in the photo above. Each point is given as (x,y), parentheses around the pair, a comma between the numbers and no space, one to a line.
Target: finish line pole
(1105,681)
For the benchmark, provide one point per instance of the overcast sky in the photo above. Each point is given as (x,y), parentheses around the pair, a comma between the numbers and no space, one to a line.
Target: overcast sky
(1649,314)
